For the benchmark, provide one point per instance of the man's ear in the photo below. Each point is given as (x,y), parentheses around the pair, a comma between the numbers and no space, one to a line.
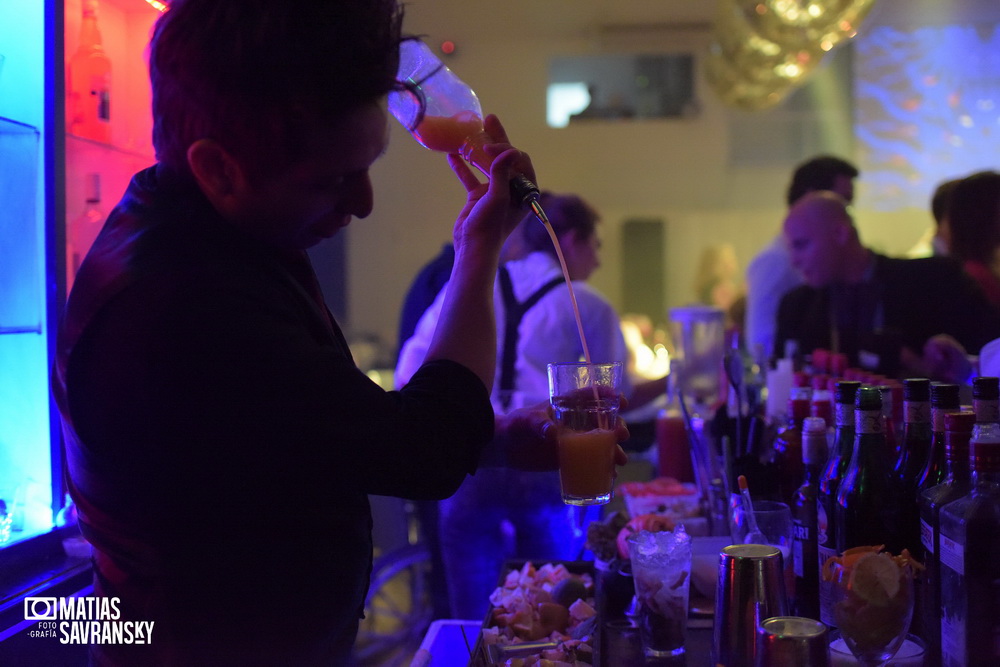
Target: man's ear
(844,232)
(219,175)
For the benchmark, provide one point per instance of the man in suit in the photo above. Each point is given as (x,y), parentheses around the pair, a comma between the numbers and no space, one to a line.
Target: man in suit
(880,311)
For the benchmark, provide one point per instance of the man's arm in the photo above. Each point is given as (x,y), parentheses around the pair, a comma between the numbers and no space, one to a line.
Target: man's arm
(466,329)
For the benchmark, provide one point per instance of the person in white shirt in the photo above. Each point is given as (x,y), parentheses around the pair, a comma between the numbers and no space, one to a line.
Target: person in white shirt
(770,274)
(476,522)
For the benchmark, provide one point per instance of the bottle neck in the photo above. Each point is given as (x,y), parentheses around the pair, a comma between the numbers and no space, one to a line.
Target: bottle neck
(814,447)
(844,415)
(956,455)
(937,416)
(90,34)
(473,150)
(798,410)
(916,412)
(987,410)
(868,422)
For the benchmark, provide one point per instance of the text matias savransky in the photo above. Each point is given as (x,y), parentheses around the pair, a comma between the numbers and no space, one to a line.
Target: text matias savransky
(85,620)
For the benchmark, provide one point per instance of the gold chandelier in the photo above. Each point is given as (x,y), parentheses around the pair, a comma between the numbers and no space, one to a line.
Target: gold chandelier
(762,49)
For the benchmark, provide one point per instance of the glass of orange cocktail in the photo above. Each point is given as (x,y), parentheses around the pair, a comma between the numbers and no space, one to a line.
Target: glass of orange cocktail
(585,400)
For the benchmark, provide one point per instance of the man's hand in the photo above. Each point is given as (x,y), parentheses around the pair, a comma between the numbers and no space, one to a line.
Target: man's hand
(943,359)
(527,439)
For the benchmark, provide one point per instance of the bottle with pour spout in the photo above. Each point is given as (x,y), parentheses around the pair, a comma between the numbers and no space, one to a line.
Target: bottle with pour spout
(444,114)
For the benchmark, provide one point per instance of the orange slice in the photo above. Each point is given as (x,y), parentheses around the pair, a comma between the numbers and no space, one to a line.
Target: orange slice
(875,579)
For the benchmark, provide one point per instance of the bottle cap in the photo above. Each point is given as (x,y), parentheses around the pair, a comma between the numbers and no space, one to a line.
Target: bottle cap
(814,442)
(847,390)
(917,390)
(814,426)
(961,421)
(986,388)
(945,396)
(819,381)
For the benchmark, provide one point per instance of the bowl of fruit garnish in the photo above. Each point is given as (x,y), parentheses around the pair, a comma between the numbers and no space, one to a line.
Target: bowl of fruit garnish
(872,600)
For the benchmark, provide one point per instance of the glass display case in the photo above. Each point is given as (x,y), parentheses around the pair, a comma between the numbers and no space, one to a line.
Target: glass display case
(61,171)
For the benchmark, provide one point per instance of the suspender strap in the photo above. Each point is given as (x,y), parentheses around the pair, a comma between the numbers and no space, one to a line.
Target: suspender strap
(513,314)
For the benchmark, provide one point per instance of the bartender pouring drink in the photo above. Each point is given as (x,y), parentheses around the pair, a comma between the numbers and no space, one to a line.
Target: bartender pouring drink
(220,441)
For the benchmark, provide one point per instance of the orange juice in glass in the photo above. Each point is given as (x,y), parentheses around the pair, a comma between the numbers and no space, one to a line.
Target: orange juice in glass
(585,400)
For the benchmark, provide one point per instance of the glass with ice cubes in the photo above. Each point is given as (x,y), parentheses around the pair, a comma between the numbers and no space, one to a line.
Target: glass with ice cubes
(661,569)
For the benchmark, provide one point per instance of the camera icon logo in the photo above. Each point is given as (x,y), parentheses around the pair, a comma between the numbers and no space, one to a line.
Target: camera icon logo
(41,609)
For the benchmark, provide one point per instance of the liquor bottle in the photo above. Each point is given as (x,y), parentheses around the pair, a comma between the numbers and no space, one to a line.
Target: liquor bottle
(969,558)
(673,445)
(821,403)
(804,547)
(986,399)
(944,399)
(89,82)
(788,442)
(866,512)
(957,483)
(83,229)
(829,481)
(916,444)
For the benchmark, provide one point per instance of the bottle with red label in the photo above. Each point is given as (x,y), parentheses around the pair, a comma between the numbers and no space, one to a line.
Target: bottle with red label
(867,509)
(944,399)
(788,442)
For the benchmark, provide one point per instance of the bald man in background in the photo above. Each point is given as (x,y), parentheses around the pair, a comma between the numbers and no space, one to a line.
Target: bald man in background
(878,310)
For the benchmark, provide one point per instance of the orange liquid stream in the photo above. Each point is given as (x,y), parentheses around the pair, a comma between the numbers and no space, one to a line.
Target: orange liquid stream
(463,133)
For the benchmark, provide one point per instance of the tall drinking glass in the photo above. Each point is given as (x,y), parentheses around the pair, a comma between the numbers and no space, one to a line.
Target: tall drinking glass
(661,569)
(585,400)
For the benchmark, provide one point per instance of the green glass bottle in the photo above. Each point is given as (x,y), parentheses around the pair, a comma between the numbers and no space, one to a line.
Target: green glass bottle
(867,509)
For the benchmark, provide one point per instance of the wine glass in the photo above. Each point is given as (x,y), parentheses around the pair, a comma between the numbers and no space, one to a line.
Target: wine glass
(872,606)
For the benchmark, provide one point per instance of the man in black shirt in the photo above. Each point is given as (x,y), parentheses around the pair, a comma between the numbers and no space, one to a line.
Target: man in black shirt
(876,309)
(221,443)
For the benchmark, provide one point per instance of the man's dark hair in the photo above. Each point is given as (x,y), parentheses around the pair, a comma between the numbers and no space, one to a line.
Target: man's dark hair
(566,213)
(819,173)
(250,73)
(974,217)
(941,198)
